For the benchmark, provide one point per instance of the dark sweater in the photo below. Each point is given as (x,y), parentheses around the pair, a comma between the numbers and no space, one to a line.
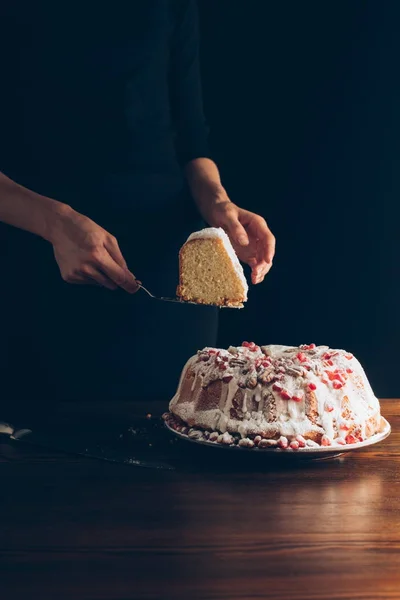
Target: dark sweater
(101,109)
(104,98)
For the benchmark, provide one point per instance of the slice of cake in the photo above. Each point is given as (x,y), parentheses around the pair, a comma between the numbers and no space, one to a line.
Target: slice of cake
(210,271)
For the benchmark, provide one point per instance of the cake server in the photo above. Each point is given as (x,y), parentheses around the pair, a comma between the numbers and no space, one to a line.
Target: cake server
(177,300)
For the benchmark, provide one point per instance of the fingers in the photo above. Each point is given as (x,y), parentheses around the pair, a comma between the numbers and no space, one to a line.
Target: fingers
(99,268)
(112,247)
(114,251)
(234,228)
(266,240)
(89,275)
(261,263)
(123,278)
(237,232)
(259,271)
(94,276)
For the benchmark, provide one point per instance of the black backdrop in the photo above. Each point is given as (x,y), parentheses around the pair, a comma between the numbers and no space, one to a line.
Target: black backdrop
(303,102)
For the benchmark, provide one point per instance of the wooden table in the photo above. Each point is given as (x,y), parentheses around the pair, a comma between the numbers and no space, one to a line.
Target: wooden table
(74,528)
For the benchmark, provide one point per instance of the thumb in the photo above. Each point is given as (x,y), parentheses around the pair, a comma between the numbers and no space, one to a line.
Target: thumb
(236,231)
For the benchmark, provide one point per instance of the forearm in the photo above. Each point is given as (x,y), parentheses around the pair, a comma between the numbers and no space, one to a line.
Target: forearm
(205,184)
(28,210)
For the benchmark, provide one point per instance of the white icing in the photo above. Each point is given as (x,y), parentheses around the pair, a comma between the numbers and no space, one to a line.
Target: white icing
(291,418)
(218,232)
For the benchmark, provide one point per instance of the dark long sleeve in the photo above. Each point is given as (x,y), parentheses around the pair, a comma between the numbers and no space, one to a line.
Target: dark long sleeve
(185,85)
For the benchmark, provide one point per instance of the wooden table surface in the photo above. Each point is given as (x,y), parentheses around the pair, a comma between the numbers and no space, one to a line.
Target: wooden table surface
(77,528)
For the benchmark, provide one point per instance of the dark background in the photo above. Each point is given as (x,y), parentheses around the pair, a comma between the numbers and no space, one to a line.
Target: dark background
(303,102)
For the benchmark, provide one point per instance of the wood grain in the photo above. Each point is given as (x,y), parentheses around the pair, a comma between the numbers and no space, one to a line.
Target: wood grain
(75,528)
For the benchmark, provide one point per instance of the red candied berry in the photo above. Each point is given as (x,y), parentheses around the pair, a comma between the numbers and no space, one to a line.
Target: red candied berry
(312,386)
(330,362)
(329,407)
(344,426)
(337,385)
(213,352)
(324,380)
(349,370)
(285,395)
(326,441)
(339,377)
(340,373)
(225,358)
(302,357)
(326,356)
(294,444)
(349,356)
(250,346)
(222,366)
(297,398)
(227,378)
(351,439)
(308,347)
(276,387)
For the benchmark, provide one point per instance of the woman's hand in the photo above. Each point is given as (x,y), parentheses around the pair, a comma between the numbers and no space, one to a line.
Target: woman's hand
(249,233)
(87,254)
(250,236)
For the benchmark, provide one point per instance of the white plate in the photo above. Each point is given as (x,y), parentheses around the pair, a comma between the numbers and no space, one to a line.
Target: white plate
(320,453)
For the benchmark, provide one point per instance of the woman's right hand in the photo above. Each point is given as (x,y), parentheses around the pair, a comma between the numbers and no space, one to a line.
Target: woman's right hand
(87,254)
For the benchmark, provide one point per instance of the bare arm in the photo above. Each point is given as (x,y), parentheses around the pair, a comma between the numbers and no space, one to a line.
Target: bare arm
(84,251)
(27,210)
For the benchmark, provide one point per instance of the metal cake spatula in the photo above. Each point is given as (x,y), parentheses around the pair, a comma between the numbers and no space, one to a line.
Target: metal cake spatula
(175,299)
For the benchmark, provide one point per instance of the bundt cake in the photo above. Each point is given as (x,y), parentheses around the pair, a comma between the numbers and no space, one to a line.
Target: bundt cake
(210,271)
(275,396)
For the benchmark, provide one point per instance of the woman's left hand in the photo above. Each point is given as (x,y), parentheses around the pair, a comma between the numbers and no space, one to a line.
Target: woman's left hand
(249,233)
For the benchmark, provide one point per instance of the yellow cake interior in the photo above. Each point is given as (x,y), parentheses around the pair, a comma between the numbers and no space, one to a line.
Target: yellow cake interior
(207,275)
